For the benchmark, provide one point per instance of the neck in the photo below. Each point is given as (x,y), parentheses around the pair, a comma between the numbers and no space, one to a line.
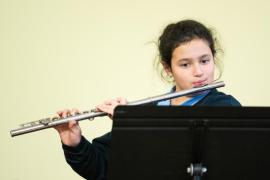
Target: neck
(180,100)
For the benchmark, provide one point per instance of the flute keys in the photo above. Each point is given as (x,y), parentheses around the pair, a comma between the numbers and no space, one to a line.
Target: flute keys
(86,112)
(45,121)
(33,123)
(55,118)
(76,113)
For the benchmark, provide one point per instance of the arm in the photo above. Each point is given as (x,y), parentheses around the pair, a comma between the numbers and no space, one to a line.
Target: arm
(89,159)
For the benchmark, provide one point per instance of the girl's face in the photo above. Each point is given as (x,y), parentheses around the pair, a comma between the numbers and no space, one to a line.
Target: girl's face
(192,65)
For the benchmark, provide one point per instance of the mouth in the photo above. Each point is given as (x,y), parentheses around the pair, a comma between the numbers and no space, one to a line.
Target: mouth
(199,83)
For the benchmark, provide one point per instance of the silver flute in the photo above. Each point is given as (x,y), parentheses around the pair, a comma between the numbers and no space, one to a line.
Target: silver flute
(51,122)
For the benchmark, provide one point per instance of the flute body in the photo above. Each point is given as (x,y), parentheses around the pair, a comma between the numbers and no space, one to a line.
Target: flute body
(51,122)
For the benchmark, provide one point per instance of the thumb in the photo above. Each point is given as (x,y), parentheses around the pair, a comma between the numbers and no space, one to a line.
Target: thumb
(72,123)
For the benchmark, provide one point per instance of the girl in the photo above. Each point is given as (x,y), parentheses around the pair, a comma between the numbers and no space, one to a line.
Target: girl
(188,56)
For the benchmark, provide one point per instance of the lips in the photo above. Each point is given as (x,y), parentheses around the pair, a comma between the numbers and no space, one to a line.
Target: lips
(199,83)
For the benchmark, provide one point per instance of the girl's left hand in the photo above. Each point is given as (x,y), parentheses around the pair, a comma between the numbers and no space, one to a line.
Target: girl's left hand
(109,106)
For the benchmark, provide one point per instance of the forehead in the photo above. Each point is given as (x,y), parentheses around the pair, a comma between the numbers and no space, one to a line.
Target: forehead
(192,49)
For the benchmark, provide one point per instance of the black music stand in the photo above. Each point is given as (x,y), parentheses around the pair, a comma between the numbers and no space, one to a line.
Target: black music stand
(172,143)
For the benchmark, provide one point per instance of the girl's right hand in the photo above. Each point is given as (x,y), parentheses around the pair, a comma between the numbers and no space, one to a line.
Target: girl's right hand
(70,133)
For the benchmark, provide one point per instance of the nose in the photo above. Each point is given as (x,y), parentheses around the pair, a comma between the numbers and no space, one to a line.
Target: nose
(197,70)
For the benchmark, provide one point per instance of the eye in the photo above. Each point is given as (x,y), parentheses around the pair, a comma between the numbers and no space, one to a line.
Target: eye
(185,65)
(205,61)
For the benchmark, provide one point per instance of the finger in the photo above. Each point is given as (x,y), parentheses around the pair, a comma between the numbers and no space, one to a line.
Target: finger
(62,112)
(59,113)
(74,111)
(114,103)
(96,109)
(105,108)
(107,102)
(66,114)
(122,101)
(55,117)
(102,107)
(72,123)
(60,127)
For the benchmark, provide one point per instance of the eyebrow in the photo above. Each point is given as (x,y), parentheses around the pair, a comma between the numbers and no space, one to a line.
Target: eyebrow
(188,59)
(205,55)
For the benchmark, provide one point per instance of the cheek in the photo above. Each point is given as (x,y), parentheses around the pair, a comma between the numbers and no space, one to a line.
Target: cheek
(182,76)
(211,71)
(210,68)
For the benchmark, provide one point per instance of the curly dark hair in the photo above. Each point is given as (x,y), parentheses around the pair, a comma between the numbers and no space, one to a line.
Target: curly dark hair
(182,32)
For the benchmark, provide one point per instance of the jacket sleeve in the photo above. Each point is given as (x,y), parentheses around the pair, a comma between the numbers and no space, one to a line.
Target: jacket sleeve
(89,160)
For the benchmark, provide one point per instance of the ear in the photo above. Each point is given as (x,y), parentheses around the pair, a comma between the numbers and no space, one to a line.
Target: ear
(167,68)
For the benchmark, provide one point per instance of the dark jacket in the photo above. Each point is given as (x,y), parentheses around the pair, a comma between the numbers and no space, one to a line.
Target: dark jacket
(90,159)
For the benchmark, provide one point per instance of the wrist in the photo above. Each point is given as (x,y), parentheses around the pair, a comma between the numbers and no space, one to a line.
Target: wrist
(71,142)
(75,148)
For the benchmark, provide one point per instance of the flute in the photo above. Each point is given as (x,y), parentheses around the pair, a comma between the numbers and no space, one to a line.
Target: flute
(51,122)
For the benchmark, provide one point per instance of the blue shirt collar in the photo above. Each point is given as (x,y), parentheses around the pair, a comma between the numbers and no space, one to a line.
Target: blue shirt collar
(196,98)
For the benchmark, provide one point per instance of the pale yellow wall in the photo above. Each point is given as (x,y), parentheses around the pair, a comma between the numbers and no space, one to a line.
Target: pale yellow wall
(57,54)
